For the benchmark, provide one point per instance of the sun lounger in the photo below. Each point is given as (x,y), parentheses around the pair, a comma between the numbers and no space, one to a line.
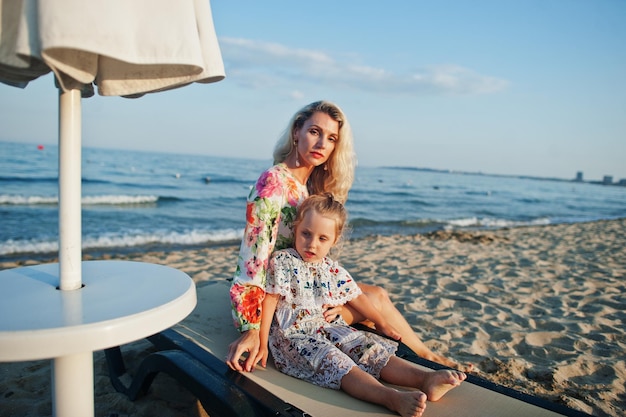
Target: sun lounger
(193,353)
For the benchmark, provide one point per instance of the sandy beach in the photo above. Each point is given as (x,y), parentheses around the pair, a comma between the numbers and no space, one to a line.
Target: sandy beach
(540,309)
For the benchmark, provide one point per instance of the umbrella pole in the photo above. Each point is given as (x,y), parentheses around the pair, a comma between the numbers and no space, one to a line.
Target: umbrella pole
(70,227)
(72,386)
(72,375)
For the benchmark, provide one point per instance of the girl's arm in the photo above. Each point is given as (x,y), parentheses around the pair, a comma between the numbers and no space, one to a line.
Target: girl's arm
(269,307)
(363,305)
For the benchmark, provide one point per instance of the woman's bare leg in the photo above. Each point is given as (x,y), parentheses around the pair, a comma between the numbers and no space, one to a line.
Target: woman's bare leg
(435,384)
(363,386)
(379,297)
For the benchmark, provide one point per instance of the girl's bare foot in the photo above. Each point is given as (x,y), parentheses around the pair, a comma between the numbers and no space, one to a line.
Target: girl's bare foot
(408,403)
(438,383)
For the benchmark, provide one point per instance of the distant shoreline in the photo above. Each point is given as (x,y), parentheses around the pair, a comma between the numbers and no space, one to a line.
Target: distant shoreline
(620,183)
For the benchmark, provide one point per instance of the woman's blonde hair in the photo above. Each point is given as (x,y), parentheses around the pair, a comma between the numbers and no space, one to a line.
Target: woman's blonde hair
(337,174)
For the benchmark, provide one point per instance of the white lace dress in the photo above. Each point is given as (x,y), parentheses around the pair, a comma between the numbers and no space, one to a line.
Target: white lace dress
(302,343)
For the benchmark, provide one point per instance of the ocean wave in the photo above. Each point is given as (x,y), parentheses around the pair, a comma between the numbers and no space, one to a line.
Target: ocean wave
(363,227)
(113,241)
(130,181)
(28,179)
(492,223)
(18,200)
(119,199)
(96,200)
(145,185)
(360,225)
(209,179)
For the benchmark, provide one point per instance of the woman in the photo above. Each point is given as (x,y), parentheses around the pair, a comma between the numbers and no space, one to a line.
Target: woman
(315,154)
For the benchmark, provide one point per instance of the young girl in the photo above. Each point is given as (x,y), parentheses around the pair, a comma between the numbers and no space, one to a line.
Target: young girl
(332,354)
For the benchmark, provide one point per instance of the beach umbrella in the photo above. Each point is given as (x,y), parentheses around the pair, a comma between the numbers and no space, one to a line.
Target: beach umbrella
(125,48)
(119,47)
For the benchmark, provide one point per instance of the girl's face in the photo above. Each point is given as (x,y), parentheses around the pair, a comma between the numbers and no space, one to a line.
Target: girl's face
(315,236)
(317,139)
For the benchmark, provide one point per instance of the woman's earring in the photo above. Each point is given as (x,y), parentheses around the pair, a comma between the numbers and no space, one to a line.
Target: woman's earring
(325,167)
(295,144)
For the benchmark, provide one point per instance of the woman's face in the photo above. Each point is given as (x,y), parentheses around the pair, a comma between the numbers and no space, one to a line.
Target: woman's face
(314,236)
(317,139)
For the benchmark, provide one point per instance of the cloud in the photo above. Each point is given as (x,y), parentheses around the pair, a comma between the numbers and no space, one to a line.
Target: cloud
(259,64)
(296,95)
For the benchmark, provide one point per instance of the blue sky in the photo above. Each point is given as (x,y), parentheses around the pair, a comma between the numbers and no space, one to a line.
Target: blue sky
(505,87)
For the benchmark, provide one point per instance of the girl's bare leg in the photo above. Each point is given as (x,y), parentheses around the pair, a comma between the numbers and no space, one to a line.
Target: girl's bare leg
(363,386)
(379,297)
(435,384)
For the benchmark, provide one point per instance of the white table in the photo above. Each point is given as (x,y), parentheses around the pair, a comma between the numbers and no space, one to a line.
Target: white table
(120,302)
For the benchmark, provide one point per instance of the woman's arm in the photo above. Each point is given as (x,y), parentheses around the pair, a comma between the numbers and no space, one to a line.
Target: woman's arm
(263,211)
(248,288)
(268,206)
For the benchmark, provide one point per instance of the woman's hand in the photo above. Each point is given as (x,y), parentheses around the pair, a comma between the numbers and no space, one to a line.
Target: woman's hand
(331,312)
(248,343)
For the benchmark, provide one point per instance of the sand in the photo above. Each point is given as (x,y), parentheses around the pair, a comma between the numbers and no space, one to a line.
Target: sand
(539,309)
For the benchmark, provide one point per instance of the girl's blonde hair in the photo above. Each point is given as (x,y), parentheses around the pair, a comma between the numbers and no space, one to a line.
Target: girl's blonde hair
(337,174)
(326,205)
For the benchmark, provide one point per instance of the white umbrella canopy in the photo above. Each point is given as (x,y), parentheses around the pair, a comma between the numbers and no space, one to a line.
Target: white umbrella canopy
(125,48)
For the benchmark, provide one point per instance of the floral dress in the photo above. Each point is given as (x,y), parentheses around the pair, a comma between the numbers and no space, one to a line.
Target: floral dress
(270,212)
(302,342)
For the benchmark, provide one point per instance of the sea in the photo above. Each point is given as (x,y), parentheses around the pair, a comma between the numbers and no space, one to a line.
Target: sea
(138,201)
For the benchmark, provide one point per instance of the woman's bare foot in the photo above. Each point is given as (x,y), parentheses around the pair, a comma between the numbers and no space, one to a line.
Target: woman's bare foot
(438,383)
(408,403)
(468,367)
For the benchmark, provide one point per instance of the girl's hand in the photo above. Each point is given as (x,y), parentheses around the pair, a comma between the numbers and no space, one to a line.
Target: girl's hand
(262,355)
(331,312)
